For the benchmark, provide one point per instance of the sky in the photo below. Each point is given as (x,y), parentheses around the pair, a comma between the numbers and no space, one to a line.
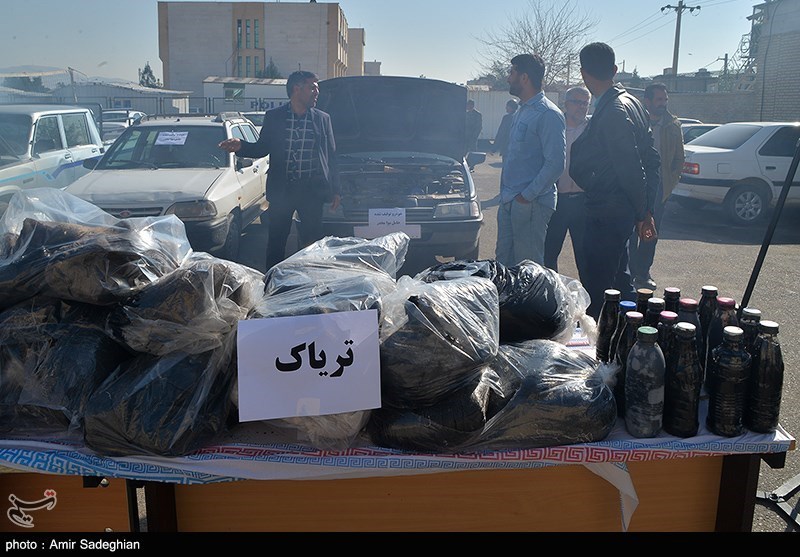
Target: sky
(436,38)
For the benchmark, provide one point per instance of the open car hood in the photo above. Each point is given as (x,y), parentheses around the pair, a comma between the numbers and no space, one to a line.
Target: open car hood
(382,113)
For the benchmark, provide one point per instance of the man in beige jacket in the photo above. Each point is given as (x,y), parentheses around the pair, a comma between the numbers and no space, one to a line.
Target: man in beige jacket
(668,141)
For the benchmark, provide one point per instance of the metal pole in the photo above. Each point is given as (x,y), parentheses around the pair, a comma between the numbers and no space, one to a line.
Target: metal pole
(679,9)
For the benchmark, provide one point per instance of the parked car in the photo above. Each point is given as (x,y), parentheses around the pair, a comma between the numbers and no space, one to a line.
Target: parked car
(256,117)
(402,164)
(742,166)
(44,146)
(689,121)
(172,164)
(693,131)
(124,115)
(112,130)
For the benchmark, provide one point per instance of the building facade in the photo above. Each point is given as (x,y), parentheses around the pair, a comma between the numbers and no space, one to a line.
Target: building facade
(241,39)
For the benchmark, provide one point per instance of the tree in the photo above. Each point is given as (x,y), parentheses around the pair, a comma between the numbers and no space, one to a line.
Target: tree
(21,83)
(270,72)
(147,78)
(556,32)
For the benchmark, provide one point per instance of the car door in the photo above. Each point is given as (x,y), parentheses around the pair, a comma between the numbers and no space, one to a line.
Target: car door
(775,158)
(52,161)
(252,180)
(80,142)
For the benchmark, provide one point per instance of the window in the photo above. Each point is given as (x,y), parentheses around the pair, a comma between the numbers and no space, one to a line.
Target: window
(727,136)
(238,33)
(247,67)
(782,143)
(247,34)
(256,39)
(239,67)
(257,71)
(76,129)
(236,132)
(249,133)
(233,92)
(47,136)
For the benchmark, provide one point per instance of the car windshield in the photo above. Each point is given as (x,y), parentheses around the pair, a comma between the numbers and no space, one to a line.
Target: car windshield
(167,147)
(15,132)
(727,136)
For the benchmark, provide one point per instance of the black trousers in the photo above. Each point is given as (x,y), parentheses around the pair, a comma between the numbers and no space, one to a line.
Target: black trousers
(642,254)
(570,216)
(301,198)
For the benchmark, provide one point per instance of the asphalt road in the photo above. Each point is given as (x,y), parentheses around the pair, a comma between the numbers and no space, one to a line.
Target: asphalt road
(697,247)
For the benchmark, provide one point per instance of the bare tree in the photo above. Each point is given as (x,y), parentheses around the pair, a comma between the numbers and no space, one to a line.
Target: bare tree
(556,31)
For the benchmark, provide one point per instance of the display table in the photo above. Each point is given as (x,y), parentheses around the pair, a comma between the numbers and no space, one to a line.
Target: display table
(245,484)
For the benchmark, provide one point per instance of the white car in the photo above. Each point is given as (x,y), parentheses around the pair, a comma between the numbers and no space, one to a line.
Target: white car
(172,164)
(124,115)
(742,166)
(44,146)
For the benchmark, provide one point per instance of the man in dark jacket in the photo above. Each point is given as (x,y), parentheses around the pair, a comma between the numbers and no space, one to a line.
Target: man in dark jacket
(302,175)
(615,164)
(504,130)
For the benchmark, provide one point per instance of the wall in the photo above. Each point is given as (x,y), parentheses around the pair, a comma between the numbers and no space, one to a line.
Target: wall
(356,40)
(492,106)
(718,108)
(297,37)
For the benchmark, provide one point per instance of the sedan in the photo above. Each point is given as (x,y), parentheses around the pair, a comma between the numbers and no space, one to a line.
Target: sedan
(693,131)
(741,166)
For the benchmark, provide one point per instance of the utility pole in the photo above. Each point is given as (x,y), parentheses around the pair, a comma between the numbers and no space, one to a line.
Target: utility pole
(679,9)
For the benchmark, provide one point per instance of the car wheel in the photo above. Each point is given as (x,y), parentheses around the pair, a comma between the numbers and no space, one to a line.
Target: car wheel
(747,204)
(474,254)
(230,250)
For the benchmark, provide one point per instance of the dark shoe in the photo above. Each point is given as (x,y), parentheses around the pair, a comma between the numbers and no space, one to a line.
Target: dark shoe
(649,283)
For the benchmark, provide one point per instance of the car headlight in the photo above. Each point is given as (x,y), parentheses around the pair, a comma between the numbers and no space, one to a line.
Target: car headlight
(457,210)
(193,210)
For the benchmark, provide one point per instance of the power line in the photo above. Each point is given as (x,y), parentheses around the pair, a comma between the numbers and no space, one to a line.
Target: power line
(679,9)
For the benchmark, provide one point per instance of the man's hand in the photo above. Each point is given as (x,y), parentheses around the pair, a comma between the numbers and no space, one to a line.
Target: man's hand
(647,229)
(335,203)
(231,145)
(521,199)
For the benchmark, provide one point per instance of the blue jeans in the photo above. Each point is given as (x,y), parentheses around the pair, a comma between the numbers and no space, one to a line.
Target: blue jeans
(521,230)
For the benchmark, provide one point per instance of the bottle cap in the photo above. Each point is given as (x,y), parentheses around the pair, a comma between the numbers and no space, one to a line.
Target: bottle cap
(709,290)
(726,303)
(770,327)
(613,295)
(647,333)
(751,313)
(634,316)
(668,317)
(685,330)
(672,293)
(733,333)
(656,304)
(688,304)
(644,294)
(626,305)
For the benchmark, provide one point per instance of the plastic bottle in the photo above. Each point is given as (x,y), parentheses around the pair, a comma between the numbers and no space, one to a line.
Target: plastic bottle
(683,384)
(748,321)
(607,324)
(666,332)
(654,308)
(727,377)
(706,308)
(633,320)
(724,316)
(642,295)
(688,313)
(644,385)
(624,307)
(672,298)
(766,381)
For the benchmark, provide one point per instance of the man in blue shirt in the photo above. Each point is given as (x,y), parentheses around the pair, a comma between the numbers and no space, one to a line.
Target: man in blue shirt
(533,162)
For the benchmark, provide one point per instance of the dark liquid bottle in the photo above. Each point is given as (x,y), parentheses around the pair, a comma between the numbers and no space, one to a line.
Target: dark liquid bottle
(766,381)
(688,313)
(654,308)
(607,324)
(706,308)
(672,298)
(748,321)
(633,320)
(666,332)
(728,374)
(642,295)
(724,316)
(683,383)
(644,385)
(624,307)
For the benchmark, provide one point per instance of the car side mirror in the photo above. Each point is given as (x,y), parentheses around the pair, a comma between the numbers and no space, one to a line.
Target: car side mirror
(91,164)
(242,163)
(474,157)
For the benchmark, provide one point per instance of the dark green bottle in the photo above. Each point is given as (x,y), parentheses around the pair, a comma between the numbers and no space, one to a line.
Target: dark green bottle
(607,324)
(644,385)
(724,316)
(672,298)
(633,320)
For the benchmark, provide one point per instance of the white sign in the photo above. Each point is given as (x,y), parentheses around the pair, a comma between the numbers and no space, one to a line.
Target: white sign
(308,365)
(171,138)
(387,217)
(387,221)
